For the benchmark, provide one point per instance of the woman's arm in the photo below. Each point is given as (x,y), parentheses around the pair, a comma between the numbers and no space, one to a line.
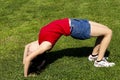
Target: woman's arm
(25,52)
(42,48)
(29,48)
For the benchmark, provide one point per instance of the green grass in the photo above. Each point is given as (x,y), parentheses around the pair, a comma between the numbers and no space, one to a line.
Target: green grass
(20,21)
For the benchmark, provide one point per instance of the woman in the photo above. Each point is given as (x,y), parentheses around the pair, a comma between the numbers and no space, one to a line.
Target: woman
(78,29)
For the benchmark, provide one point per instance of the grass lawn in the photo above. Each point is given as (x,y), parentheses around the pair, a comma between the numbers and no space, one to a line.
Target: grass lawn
(20,21)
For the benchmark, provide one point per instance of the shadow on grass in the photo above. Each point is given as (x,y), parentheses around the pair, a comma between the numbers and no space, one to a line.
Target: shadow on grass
(75,52)
(42,61)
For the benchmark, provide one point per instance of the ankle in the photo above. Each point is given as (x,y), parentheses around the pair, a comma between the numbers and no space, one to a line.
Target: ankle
(98,60)
(93,55)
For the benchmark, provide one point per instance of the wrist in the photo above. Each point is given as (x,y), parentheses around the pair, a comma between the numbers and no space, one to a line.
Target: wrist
(26,67)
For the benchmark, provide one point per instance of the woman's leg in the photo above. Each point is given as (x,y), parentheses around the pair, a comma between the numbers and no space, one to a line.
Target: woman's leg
(97,45)
(98,30)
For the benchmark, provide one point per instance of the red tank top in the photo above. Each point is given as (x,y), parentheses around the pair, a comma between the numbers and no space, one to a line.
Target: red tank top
(53,31)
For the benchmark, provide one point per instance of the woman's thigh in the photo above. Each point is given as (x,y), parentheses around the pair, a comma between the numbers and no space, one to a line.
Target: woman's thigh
(98,29)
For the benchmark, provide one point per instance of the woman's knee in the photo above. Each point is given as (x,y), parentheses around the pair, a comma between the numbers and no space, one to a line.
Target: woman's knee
(109,32)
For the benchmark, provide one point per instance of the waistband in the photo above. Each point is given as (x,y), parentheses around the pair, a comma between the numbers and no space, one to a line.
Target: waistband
(69,22)
(70,25)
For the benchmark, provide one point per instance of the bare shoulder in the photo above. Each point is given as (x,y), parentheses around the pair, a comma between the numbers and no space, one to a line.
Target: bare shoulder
(34,43)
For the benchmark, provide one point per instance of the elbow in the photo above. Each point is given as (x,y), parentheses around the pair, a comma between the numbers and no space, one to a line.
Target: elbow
(26,46)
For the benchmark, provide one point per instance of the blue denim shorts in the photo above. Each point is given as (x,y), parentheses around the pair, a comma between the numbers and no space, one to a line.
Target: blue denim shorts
(80,29)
